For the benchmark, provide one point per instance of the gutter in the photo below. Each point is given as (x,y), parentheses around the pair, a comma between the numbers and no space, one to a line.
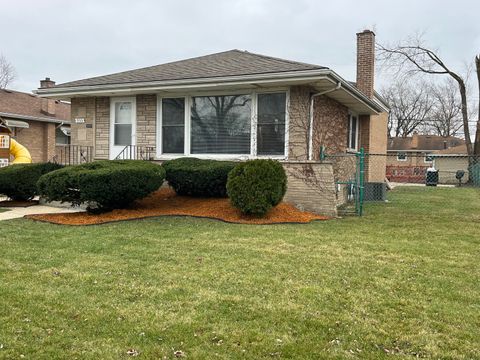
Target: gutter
(310,126)
(169,83)
(33,118)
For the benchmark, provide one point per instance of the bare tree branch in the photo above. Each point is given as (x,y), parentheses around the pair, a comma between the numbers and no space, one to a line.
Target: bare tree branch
(446,115)
(7,72)
(477,135)
(412,56)
(411,104)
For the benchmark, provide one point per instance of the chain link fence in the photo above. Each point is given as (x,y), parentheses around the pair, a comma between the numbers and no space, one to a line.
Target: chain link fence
(367,177)
(429,169)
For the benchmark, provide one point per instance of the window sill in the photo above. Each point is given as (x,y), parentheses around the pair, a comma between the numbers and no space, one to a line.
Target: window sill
(233,157)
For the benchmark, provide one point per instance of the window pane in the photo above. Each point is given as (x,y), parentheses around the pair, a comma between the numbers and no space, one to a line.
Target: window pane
(173,139)
(221,125)
(123,134)
(173,126)
(61,138)
(123,113)
(271,124)
(353,143)
(173,112)
(401,156)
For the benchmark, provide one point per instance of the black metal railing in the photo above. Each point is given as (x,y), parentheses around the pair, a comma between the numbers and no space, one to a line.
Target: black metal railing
(73,154)
(135,152)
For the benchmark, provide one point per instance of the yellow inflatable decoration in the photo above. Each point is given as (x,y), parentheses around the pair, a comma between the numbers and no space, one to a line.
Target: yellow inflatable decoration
(20,153)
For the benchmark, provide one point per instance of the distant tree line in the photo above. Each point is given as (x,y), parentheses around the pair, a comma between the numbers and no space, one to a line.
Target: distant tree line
(418,102)
(426,107)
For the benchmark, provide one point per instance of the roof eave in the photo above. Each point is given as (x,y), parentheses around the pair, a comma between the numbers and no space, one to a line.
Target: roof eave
(33,118)
(192,84)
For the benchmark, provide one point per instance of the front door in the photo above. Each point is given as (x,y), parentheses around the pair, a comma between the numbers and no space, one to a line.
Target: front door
(122,126)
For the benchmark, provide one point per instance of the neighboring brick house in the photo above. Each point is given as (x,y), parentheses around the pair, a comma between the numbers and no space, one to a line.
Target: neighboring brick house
(235,105)
(44,123)
(409,157)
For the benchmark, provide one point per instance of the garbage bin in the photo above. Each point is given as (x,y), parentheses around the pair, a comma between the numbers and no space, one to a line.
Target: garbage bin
(431,178)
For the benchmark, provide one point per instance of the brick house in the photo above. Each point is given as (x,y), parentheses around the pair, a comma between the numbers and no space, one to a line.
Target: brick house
(409,157)
(236,105)
(39,124)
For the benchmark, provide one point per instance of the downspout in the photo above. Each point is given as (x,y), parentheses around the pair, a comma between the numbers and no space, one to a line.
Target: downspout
(310,130)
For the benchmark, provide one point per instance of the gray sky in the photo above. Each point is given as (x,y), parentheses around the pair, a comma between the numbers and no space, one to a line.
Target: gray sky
(68,40)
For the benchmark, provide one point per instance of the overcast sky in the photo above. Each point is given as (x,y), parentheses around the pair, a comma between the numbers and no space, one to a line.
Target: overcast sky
(69,40)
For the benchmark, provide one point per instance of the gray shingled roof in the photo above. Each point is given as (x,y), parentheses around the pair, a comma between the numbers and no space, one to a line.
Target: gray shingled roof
(228,63)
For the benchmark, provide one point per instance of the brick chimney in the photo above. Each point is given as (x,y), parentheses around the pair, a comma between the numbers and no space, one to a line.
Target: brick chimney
(366,62)
(48,105)
(47,83)
(414,143)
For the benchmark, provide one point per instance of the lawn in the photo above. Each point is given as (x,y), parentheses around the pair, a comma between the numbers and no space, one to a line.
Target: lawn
(403,280)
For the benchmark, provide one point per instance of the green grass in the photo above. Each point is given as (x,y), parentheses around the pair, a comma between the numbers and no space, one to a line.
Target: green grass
(402,280)
(3,210)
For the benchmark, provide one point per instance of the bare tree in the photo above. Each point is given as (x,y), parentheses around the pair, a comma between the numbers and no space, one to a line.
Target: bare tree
(477,135)
(446,115)
(410,106)
(7,72)
(414,57)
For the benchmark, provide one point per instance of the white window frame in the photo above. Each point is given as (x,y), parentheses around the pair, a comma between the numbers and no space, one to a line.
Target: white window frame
(425,158)
(350,115)
(113,101)
(402,152)
(159,149)
(253,123)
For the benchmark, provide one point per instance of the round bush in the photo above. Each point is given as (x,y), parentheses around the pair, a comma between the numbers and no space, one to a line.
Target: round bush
(195,177)
(256,186)
(104,185)
(19,181)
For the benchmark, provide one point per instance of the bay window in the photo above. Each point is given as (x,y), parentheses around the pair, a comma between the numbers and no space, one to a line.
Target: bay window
(230,125)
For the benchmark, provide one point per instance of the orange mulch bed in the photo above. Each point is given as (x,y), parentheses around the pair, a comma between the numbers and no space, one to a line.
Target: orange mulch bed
(166,203)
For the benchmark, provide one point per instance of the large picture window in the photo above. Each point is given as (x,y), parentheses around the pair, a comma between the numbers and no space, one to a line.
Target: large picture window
(220,124)
(173,126)
(271,124)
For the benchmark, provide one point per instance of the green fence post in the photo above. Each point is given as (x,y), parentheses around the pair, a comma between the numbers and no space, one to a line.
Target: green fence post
(361,179)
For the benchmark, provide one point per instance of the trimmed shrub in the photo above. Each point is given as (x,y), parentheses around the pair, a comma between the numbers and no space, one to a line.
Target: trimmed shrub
(256,186)
(19,181)
(104,185)
(195,177)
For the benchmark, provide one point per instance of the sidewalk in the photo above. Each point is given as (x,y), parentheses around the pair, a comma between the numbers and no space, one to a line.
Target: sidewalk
(19,212)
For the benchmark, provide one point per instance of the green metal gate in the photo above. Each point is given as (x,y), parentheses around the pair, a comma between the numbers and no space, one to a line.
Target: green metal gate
(349,174)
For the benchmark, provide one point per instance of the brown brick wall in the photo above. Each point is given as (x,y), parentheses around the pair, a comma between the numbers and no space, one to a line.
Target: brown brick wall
(366,62)
(39,139)
(373,139)
(311,187)
(330,126)
(299,118)
(146,120)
